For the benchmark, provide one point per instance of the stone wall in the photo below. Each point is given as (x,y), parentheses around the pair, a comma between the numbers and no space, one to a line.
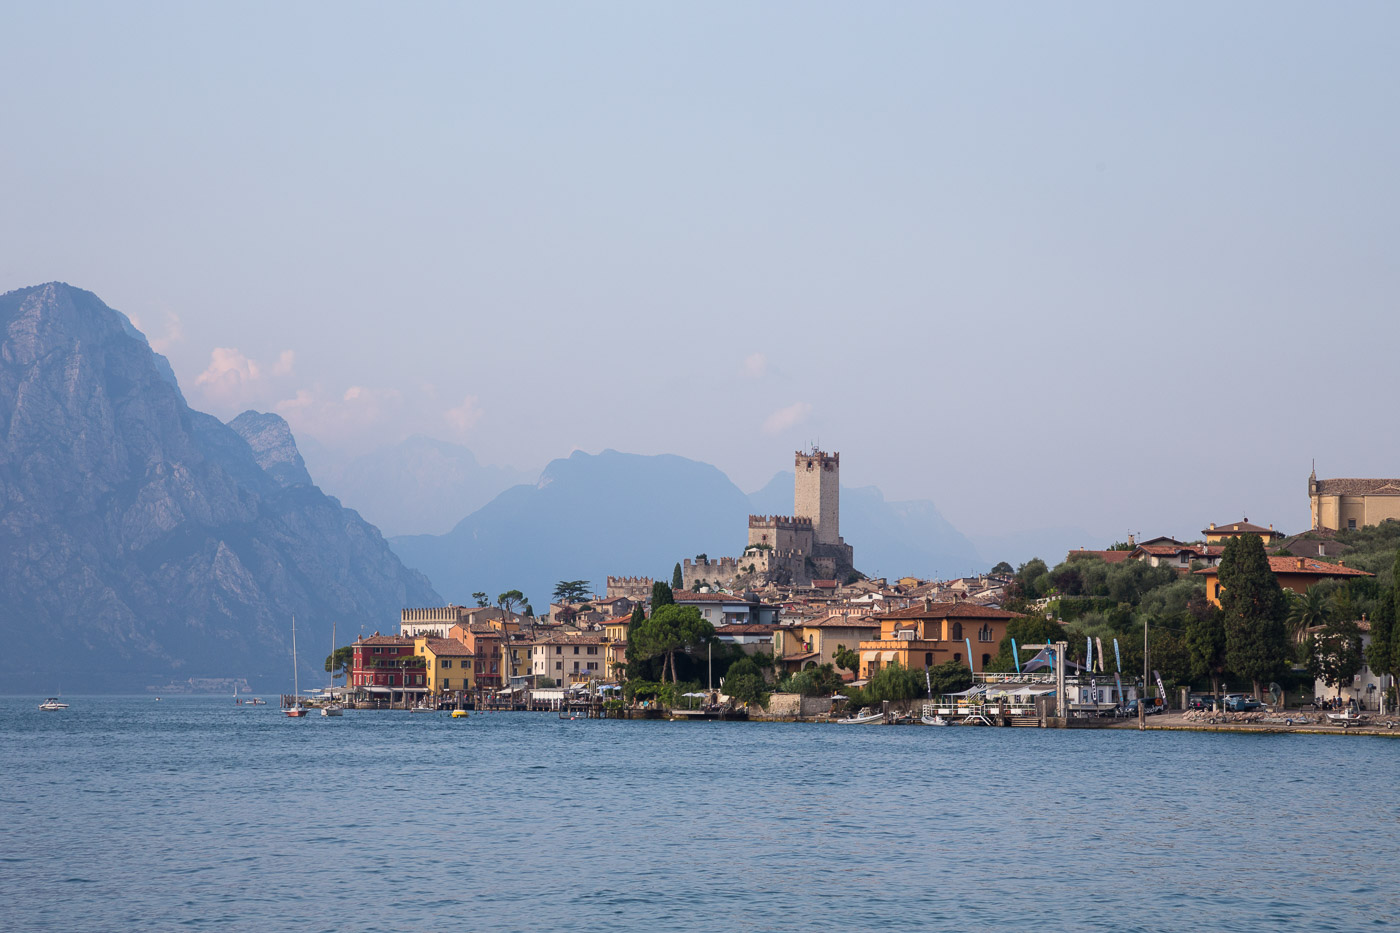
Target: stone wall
(817,493)
(796,706)
(638,588)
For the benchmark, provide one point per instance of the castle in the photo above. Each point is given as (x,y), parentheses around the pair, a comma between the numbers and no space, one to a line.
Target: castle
(789,549)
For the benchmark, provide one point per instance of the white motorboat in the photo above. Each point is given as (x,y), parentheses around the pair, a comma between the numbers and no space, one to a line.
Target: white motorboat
(332,709)
(933,720)
(1345,718)
(52,704)
(865,717)
(297,711)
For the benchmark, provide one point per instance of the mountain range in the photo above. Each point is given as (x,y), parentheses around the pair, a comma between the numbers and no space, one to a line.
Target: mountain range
(624,514)
(142,541)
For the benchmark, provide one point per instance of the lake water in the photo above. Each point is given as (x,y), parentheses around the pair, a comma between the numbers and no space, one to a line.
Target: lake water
(191,813)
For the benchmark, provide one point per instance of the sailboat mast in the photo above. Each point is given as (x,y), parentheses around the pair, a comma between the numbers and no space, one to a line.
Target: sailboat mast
(296,684)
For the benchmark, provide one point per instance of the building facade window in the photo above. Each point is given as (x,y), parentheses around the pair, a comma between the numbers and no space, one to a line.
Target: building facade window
(957,631)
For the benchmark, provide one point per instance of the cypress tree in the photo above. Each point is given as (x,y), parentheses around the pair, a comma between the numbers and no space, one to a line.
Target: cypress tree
(677,580)
(660,596)
(1256,646)
(1383,654)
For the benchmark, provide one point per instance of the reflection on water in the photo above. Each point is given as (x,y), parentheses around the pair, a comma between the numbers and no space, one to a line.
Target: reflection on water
(193,813)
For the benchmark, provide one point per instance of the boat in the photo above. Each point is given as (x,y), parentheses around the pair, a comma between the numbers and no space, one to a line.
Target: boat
(930,717)
(255,701)
(52,704)
(297,711)
(1345,718)
(421,708)
(332,708)
(864,718)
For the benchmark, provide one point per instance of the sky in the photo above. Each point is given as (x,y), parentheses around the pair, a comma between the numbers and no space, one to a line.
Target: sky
(1116,266)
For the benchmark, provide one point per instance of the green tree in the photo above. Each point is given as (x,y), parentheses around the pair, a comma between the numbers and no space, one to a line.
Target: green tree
(846,658)
(481,599)
(1256,646)
(949,677)
(1205,644)
(508,600)
(339,661)
(571,591)
(661,595)
(1334,654)
(818,681)
(1383,654)
(1306,611)
(1003,567)
(667,630)
(744,682)
(894,682)
(677,579)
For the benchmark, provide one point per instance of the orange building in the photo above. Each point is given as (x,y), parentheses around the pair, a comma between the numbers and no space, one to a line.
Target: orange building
(1219,534)
(930,633)
(1293,573)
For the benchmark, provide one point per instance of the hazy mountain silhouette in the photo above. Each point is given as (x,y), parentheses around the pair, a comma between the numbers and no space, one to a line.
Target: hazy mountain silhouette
(891,539)
(141,540)
(419,486)
(587,517)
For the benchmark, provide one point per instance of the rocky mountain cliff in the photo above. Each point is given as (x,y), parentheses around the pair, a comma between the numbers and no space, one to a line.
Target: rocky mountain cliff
(143,541)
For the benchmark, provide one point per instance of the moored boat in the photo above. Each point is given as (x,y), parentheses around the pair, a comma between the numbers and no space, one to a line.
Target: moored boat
(52,704)
(864,718)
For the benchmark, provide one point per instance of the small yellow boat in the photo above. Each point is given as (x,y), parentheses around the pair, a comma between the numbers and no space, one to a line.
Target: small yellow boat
(459,714)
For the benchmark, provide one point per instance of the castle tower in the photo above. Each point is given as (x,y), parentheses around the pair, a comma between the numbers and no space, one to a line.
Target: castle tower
(817,493)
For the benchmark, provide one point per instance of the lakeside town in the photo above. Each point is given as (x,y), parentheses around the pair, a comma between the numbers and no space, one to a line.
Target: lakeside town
(1245,626)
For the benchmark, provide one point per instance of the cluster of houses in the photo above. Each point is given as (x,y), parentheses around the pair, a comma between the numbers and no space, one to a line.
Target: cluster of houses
(459,653)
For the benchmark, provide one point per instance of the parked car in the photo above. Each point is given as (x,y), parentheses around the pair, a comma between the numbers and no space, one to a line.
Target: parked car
(1200,703)
(1153,706)
(1239,703)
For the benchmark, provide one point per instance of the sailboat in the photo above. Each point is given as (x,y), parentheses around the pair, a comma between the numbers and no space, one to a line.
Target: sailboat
(297,710)
(332,708)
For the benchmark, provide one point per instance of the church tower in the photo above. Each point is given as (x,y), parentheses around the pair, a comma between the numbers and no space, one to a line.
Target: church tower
(817,493)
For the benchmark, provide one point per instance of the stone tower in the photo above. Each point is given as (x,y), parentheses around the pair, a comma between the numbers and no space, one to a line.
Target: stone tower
(817,493)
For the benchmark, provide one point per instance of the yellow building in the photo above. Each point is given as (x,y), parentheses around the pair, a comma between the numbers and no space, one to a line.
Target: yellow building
(1219,534)
(1293,573)
(615,646)
(810,644)
(448,665)
(1341,504)
(930,633)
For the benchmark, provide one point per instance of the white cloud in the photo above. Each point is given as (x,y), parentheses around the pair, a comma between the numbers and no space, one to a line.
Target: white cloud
(229,372)
(283,366)
(174,333)
(465,415)
(755,366)
(785,418)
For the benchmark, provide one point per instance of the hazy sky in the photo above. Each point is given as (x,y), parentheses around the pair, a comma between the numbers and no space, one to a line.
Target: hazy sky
(1119,266)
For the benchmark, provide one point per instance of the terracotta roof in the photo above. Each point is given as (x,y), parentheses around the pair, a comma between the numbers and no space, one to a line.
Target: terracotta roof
(448,648)
(1308,565)
(1238,528)
(800,657)
(685,596)
(1167,550)
(752,628)
(1108,557)
(954,610)
(579,638)
(823,584)
(399,640)
(1358,487)
(843,622)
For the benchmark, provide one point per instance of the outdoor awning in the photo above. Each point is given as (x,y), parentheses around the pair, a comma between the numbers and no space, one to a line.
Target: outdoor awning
(376,689)
(888,656)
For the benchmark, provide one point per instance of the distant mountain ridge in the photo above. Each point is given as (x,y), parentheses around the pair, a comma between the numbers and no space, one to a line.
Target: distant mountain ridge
(589,516)
(418,486)
(143,541)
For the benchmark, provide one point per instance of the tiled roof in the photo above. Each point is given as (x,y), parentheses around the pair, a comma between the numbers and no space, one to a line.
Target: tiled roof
(752,628)
(685,596)
(398,640)
(448,648)
(843,622)
(1358,487)
(1108,557)
(1240,528)
(1296,565)
(954,610)
(823,584)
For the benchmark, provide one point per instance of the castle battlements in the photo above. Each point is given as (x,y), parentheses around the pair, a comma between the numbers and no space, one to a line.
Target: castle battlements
(779,521)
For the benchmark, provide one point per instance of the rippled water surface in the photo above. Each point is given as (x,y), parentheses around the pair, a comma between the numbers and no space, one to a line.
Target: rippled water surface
(126,814)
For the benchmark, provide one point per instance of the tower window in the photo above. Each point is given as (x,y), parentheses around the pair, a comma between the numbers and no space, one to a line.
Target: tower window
(1351,524)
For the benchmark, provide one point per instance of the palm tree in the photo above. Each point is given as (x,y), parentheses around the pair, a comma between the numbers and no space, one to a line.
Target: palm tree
(1306,611)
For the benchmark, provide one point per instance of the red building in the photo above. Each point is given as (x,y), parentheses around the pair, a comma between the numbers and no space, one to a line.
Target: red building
(384,664)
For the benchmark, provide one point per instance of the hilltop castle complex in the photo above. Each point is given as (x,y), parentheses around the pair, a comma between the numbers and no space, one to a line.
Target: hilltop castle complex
(789,549)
